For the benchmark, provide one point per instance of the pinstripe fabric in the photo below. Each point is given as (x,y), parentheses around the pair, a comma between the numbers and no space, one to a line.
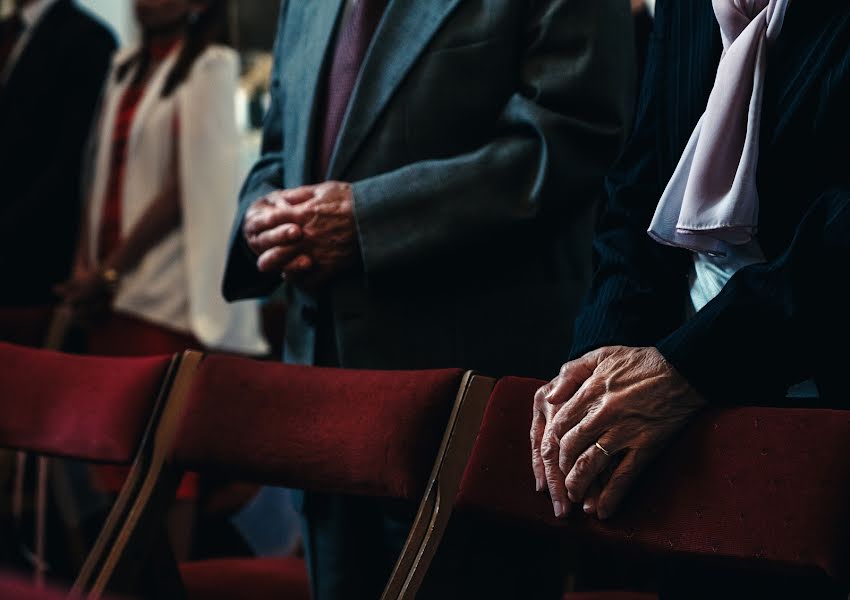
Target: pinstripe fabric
(770,325)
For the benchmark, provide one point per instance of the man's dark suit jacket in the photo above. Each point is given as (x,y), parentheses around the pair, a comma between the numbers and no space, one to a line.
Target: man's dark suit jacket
(46,108)
(476,140)
(773,324)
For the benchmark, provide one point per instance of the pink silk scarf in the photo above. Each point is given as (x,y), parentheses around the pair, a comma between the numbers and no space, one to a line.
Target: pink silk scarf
(711,202)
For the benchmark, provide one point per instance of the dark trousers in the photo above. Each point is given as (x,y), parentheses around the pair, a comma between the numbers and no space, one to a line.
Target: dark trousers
(351,545)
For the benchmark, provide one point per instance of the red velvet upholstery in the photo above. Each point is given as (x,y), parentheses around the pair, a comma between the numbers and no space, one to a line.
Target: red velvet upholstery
(13,587)
(765,488)
(25,326)
(367,432)
(246,579)
(84,407)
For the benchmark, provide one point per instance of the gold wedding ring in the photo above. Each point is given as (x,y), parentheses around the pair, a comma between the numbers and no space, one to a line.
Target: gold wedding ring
(604,451)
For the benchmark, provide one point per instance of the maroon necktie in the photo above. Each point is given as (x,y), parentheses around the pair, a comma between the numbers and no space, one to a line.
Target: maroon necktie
(10,32)
(352,42)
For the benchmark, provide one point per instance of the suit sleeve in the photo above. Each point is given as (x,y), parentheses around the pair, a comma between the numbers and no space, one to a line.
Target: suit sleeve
(639,287)
(773,324)
(241,278)
(556,137)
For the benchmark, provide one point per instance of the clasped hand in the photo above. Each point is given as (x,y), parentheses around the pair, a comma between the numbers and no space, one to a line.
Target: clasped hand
(599,422)
(307,234)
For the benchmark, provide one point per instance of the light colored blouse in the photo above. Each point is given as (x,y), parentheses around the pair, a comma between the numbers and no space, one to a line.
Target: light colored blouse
(177,284)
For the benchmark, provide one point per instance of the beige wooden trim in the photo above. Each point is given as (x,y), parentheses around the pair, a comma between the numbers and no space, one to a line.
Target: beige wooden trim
(148,467)
(162,443)
(128,491)
(437,503)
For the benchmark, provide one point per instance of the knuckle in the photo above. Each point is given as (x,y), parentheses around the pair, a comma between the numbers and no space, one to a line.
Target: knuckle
(585,427)
(540,394)
(560,428)
(548,450)
(581,466)
(573,486)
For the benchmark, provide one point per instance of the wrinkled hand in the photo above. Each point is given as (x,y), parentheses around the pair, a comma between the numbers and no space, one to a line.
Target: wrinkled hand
(87,293)
(628,400)
(307,234)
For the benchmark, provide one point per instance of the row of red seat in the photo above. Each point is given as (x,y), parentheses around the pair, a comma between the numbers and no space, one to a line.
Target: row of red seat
(448,439)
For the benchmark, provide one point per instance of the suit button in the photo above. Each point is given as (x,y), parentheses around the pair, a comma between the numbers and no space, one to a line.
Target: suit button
(310,315)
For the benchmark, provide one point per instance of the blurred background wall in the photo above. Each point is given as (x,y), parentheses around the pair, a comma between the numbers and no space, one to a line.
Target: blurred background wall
(119,15)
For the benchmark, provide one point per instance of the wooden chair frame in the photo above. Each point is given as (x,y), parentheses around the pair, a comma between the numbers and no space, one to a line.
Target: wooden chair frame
(179,371)
(130,543)
(437,504)
(54,340)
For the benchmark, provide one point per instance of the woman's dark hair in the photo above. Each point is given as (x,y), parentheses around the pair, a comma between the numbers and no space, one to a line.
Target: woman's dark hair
(209,26)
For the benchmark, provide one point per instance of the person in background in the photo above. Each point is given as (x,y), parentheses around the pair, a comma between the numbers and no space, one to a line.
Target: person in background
(163,173)
(53,61)
(428,185)
(722,257)
(162,169)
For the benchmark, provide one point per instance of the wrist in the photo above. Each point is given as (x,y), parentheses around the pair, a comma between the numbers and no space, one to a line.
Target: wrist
(111,278)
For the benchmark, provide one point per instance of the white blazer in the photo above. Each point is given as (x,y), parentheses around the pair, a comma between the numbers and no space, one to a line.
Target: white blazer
(177,284)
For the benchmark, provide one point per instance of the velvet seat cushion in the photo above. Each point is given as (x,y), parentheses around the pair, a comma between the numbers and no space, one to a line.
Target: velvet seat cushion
(246,579)
(761,488)
(90,408)
(360,432)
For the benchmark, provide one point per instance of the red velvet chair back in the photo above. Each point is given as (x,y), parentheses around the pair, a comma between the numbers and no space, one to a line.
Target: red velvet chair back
(16,588)
(90,408)
(382,434)
(761,488)
(13,587)
(367,432)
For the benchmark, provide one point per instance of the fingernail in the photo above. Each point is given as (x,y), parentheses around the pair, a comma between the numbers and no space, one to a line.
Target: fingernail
(559,509)
(588,507)
(539,485)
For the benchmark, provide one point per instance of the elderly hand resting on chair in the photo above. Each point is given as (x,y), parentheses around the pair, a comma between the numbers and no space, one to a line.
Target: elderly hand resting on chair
(597,424)
(307,234)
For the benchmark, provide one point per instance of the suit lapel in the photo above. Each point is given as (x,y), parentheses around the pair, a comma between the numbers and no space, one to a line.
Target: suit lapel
(310,27)
(404,32)
(34,55)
